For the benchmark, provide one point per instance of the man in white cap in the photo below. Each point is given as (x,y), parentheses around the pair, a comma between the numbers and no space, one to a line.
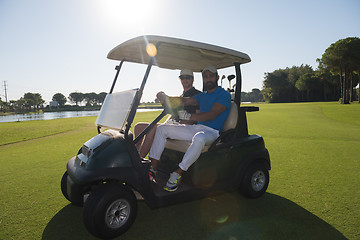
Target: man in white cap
(214,104)
(187,79)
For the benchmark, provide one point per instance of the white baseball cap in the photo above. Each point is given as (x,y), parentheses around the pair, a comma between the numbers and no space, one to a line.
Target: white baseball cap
(186,72)
(210,68)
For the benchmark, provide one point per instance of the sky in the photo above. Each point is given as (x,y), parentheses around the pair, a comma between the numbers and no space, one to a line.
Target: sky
(60,46)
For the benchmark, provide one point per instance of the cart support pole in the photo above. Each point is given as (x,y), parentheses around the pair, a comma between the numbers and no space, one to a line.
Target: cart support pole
(149,127)
(238,84)
(241,126)
(137,98)
(116,75)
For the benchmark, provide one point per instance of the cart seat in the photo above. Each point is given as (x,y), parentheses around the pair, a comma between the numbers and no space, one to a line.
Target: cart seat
(229,124)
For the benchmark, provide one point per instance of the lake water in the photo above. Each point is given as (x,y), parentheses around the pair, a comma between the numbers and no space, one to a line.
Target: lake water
(54,115)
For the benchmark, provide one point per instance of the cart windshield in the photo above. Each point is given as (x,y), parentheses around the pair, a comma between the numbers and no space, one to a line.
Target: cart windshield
(115,109)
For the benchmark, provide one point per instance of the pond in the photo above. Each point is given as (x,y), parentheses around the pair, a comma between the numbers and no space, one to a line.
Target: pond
(54,115)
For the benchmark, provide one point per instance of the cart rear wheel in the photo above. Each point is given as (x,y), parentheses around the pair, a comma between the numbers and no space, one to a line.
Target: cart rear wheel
(256,181)
(110,211)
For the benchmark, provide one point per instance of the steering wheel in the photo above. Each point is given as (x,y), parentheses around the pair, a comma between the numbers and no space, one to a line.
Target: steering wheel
(172,105)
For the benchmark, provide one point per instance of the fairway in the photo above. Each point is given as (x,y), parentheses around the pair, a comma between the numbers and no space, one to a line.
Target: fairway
(314,188)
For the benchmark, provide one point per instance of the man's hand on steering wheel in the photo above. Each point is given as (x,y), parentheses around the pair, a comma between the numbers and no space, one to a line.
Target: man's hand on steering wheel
(161,96)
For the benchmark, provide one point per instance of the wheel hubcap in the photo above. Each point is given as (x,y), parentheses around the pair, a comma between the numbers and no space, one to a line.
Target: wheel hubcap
(117,213)
(258,180)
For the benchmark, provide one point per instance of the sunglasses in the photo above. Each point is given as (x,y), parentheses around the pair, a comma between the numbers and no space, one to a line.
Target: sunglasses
(185,77)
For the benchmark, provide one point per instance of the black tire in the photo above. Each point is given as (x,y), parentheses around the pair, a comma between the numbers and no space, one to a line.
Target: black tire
(64,189)
(110,210)
(255,181)
(64,186)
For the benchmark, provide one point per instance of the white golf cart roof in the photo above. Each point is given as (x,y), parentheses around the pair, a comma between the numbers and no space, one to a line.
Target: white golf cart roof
(174,53)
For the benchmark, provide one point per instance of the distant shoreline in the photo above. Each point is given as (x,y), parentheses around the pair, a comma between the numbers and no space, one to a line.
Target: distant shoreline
(70,110)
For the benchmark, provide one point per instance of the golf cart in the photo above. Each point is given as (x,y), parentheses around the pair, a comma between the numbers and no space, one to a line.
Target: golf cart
(107,175)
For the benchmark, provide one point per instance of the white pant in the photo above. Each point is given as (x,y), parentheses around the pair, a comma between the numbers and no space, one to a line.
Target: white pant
(198,135)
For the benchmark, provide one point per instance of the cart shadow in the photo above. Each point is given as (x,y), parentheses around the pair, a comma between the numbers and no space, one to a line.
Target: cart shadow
(225,216)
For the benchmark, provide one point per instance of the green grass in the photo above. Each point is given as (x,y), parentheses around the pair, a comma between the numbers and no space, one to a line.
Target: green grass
(315,157)
(313,193)
(13,132)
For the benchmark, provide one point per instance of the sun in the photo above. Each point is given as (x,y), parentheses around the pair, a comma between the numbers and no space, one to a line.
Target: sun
(127,13)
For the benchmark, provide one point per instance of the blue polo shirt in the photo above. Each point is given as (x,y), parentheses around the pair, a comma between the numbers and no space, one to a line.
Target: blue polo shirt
(207,100)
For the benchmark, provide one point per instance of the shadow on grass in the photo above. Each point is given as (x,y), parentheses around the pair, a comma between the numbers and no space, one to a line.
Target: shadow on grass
(226,216)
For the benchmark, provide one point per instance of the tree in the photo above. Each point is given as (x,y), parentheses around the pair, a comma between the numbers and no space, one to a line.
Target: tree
(300,84)
(294,75)
(28,100)
(33,100)
(76,97)
(39,101)
(354,62)
(18,105)
(343,58)
(254,96)
(330,88)
(101,97)
(356,81)
(60,98)
(310,84)
(90,98)
(12,106)
(277,87)
(2,105)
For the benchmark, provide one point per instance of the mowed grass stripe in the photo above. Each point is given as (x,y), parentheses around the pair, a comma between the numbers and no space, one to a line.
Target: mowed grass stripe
(305,120)
(13,132)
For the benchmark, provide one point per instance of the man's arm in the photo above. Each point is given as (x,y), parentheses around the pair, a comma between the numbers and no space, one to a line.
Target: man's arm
(189,101)
(207,116)
(186,101)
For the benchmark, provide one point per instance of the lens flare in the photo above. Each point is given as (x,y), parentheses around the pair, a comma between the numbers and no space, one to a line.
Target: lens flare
(151,50)
(222,219)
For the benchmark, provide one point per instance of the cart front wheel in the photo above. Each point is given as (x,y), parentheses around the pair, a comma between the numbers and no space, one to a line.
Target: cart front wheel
(64,186)
(110,211)
(64,189)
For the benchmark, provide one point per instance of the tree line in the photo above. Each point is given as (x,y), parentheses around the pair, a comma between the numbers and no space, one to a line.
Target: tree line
(34,101)
(336,77)
(29,102)
(254,96)
(89,99)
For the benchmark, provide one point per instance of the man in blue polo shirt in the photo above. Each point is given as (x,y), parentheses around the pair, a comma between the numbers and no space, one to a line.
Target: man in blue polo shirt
(214,104)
